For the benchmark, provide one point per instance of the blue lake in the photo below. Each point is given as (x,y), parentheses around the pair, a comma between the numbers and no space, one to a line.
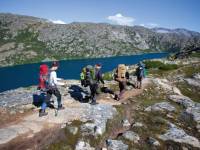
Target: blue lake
(26,75)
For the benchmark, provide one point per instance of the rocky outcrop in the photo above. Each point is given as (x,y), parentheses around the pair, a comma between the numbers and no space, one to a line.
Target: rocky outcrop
(17,98)
(178,135)
(182,100)
(97,115)
(94,118)
(81,145)
(131,136)
(116,145)
(164,106)
(192,112)
(195,81)
(166,86)
(153,142)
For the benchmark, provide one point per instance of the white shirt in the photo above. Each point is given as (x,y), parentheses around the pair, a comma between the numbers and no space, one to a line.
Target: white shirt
(53,80)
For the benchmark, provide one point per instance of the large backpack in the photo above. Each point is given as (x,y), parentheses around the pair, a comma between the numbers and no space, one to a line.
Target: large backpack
(140,72)
(43,76)
(121,72)
(87,75)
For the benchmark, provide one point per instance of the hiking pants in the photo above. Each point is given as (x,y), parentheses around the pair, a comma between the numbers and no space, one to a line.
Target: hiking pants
(122,88)
(93,89)
(55,92)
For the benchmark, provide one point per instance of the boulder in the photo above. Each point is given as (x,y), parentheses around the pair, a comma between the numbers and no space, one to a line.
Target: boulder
(137,124)
(153,141)
(126,123)
(72,130)
(131,136)
(81,145)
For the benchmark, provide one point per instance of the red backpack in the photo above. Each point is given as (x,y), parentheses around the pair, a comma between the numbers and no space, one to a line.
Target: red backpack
(43,76)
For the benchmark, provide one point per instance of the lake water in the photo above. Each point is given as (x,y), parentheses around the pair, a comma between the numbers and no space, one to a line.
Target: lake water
(26,75)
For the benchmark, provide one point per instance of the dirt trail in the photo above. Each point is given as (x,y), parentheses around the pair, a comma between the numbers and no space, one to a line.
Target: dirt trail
(128,94)
(30,125)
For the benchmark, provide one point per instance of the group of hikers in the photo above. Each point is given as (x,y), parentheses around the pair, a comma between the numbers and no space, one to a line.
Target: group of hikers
(91,79)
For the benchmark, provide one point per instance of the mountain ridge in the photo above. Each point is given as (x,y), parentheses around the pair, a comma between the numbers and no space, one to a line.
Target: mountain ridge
(27,39)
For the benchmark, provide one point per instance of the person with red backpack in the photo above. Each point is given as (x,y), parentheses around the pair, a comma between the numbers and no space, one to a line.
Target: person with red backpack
(51,87)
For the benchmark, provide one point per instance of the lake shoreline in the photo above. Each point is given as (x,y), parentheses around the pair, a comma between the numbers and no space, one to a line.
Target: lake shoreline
(27,75)
(84,58)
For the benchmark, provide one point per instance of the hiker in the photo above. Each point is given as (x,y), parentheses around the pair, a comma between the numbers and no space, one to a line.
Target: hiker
(140,73)
(121,77)
(89,81)
(53,81)
(99,79)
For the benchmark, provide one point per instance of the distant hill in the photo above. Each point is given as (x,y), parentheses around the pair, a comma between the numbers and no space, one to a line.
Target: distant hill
(25,39)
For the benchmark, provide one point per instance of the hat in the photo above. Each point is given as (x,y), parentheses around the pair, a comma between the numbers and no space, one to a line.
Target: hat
(98,66)
(54,64)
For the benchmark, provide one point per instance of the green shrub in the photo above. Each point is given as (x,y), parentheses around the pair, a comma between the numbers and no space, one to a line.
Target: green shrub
(159,65)
(153,64)
(108,76)
(168,67)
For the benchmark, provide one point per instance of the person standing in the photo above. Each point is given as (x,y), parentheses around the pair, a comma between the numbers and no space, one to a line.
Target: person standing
(90,81)
(52,89)
(140,75)
(121,77)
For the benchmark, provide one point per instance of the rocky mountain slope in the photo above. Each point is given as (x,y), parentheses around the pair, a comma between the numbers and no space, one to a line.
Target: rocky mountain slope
(25,39)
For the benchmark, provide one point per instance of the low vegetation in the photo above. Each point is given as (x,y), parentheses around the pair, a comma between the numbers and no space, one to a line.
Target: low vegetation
(160,65)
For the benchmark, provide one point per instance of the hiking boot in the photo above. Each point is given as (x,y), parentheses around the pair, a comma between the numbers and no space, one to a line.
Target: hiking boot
(42,113)
(61,107)
(116,98)
(93,103)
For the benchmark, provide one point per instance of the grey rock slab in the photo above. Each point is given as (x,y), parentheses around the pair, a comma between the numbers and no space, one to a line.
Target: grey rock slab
(193,82)
(7,135)
(153,141)
(163,106)
(192,114)
(137,124)
(81,145)
(182,100)
(131,136)
(179,136)
(116,145)
(73,130)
